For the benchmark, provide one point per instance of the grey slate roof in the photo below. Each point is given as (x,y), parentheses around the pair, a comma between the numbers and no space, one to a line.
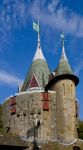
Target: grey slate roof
(41,71)
(63,68)
(63,71)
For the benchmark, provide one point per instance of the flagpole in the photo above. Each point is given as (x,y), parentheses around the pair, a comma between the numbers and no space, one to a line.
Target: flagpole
(39,27)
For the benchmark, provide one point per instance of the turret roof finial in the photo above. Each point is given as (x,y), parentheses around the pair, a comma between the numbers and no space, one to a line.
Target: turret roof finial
(38,33)
(63,39)
(38,54)
(63,56)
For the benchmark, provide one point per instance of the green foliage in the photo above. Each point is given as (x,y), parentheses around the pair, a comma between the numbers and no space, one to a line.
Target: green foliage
(1,125)
(80,130)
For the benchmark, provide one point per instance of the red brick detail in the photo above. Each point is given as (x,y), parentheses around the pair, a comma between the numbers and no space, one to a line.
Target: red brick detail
(33,82)
(12,101)
(45,96)
(13,109)
(45,105)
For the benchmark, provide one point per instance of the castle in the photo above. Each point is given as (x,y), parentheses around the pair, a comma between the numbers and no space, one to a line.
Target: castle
(45,107)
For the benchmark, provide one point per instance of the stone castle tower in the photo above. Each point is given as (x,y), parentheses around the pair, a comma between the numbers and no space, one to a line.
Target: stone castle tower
(64,82)
(45,108)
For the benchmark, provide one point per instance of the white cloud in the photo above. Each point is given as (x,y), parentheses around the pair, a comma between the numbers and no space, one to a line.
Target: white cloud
(9,79)
(15,14)
(60,17)
(79,68)
(52,13)
(52,5)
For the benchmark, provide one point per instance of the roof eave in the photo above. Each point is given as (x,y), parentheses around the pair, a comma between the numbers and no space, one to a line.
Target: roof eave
(62,77)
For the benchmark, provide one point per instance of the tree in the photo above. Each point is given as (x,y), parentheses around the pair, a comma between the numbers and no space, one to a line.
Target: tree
(80,130)
(1,125)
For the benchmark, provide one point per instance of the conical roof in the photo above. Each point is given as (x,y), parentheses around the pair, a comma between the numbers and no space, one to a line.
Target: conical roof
(64,66)
(38,53)
(63,71)
(39,72)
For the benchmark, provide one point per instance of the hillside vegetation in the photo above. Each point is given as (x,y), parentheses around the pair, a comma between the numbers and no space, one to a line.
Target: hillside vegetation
(1,126)
(80,130)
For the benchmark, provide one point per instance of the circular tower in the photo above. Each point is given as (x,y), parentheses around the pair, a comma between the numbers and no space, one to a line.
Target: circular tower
(64,82)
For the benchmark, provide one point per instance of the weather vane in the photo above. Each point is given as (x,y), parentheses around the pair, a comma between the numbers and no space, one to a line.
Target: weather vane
(63,38)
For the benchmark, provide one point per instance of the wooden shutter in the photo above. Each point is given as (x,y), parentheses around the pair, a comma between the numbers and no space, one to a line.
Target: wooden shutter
(45,105)
(45,101)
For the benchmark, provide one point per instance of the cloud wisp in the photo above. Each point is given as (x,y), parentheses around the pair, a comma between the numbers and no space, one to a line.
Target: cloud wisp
(9,79)
(53,15)
(79,68)
(15,13)
(58,17)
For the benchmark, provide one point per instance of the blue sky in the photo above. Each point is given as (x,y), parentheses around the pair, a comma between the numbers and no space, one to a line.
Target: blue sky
(18,40)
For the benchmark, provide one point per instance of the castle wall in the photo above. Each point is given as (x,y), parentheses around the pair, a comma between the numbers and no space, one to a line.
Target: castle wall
(29,119)
(66,110)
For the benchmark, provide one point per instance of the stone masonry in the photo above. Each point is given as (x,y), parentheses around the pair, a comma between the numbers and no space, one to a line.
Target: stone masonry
(30,120)
(45,109)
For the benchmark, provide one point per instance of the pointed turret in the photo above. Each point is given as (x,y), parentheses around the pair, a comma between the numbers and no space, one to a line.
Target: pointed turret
(39,54)
(64,66)
(64,69)
(64,82)
(39,72)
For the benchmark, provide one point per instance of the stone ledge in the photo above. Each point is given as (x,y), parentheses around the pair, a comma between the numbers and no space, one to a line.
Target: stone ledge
(12,141)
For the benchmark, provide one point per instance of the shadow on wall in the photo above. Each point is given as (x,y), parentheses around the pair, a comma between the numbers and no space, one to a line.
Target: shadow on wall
(35,146)
(76,148)
(33,131)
